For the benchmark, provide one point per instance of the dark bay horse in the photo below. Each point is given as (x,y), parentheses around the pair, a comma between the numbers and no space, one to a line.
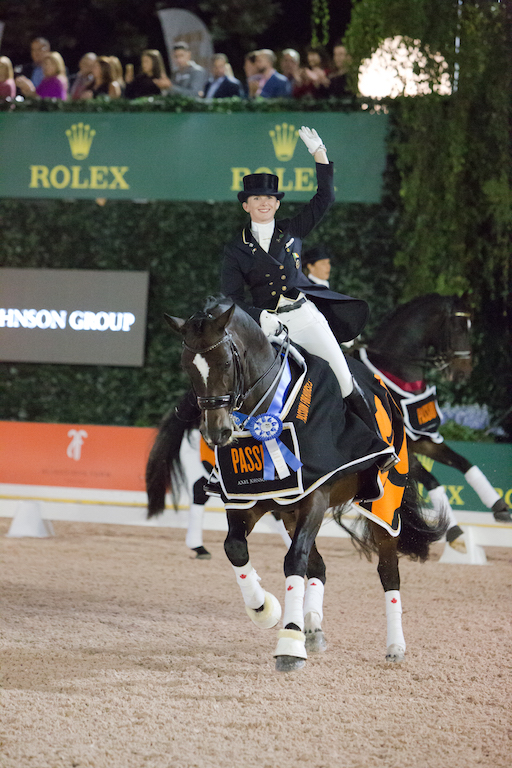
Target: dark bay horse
(234,367)
(429,332)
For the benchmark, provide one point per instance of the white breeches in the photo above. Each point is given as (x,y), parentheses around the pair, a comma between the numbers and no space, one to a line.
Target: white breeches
(309,328)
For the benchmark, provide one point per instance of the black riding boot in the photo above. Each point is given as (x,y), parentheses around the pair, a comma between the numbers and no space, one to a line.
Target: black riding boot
(359,405)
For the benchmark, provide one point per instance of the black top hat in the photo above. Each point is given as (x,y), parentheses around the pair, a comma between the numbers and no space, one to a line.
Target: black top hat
(315,254)
(260,184)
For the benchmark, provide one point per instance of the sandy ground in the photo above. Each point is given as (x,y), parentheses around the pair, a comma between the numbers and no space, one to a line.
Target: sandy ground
(120,650)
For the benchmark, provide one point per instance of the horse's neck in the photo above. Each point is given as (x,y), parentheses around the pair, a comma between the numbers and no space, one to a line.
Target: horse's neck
(395,368)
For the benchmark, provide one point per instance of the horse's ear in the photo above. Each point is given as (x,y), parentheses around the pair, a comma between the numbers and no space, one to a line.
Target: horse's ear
(221,321)
(176,323)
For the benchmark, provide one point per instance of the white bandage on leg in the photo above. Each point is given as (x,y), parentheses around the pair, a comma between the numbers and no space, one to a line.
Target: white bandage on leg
(480,484)
(395,635)
(439,499)
(248,581)
(294,602)
(194,536)
(314,599)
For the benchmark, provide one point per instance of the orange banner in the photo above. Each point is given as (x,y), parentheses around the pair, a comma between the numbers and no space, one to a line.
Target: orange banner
(74,455)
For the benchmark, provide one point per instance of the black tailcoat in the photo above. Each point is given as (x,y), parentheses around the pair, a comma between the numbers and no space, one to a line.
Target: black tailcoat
(278,272)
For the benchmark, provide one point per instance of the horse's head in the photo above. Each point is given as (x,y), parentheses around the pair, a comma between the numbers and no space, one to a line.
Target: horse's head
(221,344)
(430,331)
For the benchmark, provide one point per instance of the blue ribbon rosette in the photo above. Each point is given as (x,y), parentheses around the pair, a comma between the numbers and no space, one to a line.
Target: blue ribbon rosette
(267,427)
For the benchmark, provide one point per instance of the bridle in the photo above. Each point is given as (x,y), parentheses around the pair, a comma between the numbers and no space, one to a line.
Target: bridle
(443,358)
(235,398)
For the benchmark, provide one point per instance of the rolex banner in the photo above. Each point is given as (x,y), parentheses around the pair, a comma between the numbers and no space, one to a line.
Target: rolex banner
(185,156)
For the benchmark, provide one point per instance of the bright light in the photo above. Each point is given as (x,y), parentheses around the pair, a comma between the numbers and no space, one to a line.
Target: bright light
(399,68)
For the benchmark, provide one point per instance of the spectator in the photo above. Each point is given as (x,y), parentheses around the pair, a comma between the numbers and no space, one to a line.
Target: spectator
(272,84)
(104,83)
(315,81)
(83,78)
(290,67)
(252,77)
(316,264)
(7,84)
(189,78)
(222,84)
(54,84)
(117,71)
(39,47)
(338,78)
(151,80)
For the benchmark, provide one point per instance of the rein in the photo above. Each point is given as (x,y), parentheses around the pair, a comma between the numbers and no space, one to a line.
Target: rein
(237,396)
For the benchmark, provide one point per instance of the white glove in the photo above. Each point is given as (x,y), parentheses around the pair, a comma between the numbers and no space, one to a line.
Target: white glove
(311,139)
(270,325)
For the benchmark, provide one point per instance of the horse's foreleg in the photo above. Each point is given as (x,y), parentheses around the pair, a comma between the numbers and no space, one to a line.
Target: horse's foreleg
(390,580)
(291,645)
(313,603)
(262,607)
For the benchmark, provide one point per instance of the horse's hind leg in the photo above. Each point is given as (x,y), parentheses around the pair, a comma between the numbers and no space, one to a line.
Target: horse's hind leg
(313,603)
(439,500)
(390,580)
(262,607)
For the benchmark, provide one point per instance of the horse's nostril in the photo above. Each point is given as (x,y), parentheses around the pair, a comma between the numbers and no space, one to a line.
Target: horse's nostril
(225,434)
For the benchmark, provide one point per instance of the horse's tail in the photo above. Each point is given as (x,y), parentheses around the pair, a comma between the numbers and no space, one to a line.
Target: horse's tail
(418,530)
(164,470)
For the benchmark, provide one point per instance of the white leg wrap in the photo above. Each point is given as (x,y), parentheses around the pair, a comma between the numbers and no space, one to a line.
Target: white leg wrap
(294,602)
(195,526)
(248,581)
(314,599)
(395,634)
(439,499)
(480,484)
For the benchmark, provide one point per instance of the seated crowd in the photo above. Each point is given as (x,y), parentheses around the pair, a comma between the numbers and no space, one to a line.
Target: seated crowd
(46,75)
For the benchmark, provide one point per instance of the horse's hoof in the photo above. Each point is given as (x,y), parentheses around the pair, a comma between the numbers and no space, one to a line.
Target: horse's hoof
(395,653)
(289,663)
(502,516)
(269,615)
(315,641)
(201,553)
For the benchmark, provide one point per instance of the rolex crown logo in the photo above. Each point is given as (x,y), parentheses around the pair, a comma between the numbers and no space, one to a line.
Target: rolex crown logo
(80,138)
(284,138)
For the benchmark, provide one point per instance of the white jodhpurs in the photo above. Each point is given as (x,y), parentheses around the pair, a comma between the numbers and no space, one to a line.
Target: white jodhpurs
(309,328)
